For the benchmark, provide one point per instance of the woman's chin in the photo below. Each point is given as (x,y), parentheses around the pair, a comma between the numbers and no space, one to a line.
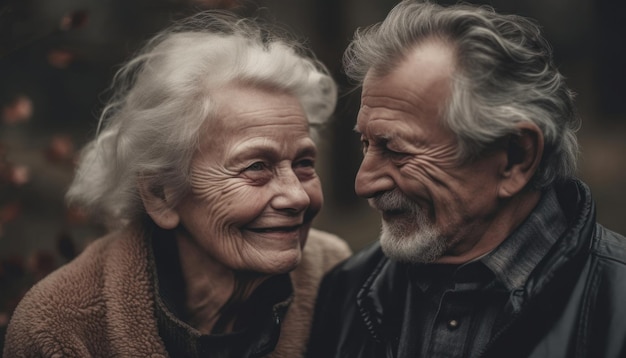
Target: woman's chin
(281,262)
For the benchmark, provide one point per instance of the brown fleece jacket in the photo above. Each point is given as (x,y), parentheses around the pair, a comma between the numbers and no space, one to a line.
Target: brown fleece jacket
(102,303)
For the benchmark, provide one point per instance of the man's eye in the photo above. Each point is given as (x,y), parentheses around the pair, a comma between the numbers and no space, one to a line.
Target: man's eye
(365,145)
(257,166)
(393,154)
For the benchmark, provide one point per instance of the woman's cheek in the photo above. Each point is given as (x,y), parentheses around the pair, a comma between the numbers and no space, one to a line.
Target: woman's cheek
(314,191)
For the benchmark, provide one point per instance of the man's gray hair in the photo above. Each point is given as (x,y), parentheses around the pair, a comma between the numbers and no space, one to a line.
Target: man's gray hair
(505,75)
(161,98)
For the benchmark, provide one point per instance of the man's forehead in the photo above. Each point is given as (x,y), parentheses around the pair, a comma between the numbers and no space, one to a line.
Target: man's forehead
(429,57)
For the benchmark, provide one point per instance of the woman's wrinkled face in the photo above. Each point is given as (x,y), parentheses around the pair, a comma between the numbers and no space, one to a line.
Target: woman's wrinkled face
(254,189)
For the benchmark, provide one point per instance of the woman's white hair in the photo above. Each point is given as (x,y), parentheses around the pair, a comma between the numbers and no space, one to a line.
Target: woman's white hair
(150,128)
(505,75)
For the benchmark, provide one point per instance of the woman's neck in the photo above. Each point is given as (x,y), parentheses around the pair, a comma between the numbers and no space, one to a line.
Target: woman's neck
(213,291)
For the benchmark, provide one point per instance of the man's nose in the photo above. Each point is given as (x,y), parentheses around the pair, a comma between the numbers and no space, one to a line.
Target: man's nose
(373,177)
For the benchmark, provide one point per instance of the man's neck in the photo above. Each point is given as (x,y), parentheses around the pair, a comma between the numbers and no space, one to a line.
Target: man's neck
(509,216)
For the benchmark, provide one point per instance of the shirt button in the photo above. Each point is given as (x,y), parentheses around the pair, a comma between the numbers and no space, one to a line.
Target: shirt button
(453,324)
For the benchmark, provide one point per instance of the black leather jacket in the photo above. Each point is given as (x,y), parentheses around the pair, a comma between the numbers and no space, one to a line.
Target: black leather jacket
(572,305)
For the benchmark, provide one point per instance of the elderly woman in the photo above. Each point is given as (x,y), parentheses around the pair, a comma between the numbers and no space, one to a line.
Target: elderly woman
(205,166)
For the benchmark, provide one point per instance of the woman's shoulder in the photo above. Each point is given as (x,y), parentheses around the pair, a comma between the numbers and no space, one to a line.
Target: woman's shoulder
(69,307)
(324,246)
(58,305)
(75,280)
(81,275)
(65,301)
(73,310)
(321,253)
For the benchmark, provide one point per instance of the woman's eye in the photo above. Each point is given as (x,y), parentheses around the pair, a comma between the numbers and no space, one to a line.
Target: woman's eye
(257,166)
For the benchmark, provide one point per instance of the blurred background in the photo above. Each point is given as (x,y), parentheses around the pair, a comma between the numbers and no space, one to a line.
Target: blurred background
(57,59)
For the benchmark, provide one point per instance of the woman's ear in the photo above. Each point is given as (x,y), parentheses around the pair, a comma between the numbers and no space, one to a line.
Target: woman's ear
(155,201)
(524,153)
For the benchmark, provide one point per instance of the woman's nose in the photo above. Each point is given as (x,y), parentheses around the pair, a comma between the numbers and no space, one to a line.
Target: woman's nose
(291,194)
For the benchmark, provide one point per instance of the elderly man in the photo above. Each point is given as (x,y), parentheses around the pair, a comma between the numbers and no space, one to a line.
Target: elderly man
(489,245)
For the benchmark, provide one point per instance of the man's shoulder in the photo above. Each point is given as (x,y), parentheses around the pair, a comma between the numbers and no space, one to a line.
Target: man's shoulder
(337,312)
(610,245)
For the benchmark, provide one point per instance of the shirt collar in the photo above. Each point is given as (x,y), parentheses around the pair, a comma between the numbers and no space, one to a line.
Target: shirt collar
(515,258)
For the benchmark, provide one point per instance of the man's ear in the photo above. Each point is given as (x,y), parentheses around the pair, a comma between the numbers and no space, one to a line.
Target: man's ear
(155,201)
(524,151)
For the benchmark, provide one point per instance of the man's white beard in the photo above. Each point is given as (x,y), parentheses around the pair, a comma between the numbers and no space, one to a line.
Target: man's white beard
(411,238)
